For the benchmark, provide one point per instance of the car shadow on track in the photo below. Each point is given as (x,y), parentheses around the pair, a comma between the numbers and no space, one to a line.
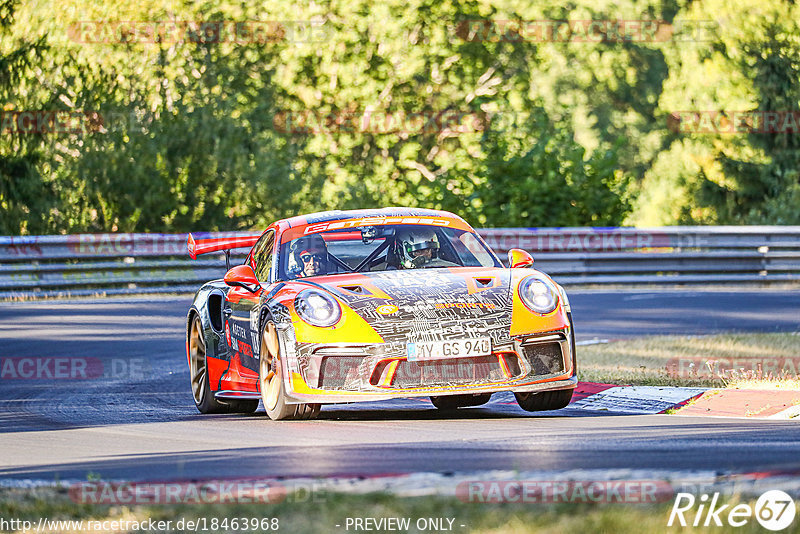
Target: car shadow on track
(643,443)
(432,414)
(502,406)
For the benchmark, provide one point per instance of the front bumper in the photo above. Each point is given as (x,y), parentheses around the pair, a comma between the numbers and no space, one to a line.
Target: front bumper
(361,373)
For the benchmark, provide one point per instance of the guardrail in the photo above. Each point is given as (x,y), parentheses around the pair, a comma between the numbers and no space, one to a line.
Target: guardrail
(146,263)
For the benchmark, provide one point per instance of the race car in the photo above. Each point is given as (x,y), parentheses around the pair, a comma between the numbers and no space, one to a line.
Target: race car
(368,305)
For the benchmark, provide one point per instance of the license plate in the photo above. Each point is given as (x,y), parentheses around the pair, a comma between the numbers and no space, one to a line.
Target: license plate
(441,350)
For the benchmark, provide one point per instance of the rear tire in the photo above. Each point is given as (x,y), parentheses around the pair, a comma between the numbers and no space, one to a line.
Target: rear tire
(198,371)
(453,402)
(270,380)
(544,401)
(204,398)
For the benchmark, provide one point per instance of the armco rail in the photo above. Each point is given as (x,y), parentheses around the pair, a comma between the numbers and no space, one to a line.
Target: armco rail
(145,263)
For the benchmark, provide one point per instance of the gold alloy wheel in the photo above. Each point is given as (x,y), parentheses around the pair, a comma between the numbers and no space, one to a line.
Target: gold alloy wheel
(270,380)
(269,375)
(197,361)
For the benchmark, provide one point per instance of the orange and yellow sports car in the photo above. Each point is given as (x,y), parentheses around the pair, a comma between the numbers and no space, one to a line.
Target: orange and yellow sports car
(366,305)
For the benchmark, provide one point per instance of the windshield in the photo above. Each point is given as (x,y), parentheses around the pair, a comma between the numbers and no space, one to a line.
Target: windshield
(382,248)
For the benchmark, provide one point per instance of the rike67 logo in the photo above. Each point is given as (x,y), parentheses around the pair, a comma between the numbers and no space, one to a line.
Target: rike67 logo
(774,510)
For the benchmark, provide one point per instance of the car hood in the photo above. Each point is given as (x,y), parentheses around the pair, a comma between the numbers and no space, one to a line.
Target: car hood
(423,304)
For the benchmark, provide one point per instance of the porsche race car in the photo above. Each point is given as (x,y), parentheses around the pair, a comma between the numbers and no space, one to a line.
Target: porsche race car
(366,305)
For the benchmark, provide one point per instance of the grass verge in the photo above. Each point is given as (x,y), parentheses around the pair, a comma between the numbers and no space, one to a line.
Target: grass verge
(324,512)
(745,361)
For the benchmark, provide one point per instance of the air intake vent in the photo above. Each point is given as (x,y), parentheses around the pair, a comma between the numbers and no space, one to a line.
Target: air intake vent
(339,372)
(358,290)
(448,372)
(544,358)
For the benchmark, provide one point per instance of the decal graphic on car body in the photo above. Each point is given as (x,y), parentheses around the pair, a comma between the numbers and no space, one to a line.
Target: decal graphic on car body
(367,305)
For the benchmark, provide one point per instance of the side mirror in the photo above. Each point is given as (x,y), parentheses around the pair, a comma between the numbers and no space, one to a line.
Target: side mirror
(242,276)
(519,258)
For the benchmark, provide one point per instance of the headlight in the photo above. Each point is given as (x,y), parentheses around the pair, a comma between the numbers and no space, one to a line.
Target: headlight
(317,308)
(538,294)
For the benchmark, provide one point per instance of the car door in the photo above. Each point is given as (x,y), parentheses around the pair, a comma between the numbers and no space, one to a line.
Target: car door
(262,261)
(241,306)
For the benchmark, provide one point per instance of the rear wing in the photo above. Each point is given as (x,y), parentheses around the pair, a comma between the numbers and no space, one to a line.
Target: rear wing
(225,244)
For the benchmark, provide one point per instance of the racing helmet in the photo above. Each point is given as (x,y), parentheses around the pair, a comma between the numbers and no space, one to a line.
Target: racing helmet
(412,241)
(312,245)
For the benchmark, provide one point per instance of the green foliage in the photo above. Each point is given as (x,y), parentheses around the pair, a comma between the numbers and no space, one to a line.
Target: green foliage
(26,193)
(547,182)
(206,156)
(752,63)
(187,135)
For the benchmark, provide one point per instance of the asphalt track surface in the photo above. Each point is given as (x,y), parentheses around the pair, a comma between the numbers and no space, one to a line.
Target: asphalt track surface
(138,422)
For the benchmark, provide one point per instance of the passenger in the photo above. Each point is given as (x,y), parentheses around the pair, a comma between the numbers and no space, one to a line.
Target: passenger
(419,248)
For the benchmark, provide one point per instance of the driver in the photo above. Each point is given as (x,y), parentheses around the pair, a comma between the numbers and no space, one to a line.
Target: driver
(311,256)
(419,248)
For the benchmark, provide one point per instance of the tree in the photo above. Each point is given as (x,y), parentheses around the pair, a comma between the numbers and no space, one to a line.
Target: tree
(750,64)
(418,57)
(27,196)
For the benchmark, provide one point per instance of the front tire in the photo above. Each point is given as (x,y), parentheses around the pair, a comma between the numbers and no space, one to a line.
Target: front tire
(544,401)
(270,379)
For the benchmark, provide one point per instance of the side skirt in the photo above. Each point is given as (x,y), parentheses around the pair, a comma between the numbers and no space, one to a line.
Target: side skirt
(237,395)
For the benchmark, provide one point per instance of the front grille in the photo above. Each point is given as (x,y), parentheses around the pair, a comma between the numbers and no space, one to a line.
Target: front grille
(544,358)
(337,371)
(447,372)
